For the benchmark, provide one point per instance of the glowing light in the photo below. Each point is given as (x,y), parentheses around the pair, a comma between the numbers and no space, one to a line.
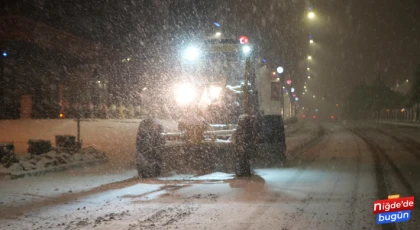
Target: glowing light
(308,68)
(246,49)
(264,60)
(4,54)
(304,86)
(184,94)
(192,53)
(292,90)
(61,115)
(289,82)
(280,69)
(309,58)
(311,15)
(311,41)
(309,77)
(214,92)
(332,117)
(218,34)
(274,73)
(406,80)
(216,24)
(296,99)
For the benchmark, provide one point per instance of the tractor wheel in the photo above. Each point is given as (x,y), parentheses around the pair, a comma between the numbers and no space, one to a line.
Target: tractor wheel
(149,144)
(244,145)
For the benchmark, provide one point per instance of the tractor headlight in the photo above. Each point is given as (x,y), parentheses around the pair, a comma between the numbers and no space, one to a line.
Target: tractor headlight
(214,92)
(185,94)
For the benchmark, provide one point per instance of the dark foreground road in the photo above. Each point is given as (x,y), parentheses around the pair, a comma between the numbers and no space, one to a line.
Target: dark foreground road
(329,185)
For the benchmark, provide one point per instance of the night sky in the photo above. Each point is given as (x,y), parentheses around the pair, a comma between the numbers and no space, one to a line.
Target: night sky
(354,40)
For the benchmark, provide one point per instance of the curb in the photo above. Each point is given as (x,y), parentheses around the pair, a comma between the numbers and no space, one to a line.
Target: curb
(17,175)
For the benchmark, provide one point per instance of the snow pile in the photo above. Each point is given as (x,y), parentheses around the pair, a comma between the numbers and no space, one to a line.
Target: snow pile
(10,163)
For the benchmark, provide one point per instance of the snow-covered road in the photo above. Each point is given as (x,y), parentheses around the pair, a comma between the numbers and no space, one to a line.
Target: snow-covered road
(330,184)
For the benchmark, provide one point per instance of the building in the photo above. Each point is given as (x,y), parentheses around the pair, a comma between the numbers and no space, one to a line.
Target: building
(44,68)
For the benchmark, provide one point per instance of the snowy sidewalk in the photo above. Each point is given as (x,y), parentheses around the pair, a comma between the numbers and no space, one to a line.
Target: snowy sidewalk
(34,189)
(399,123)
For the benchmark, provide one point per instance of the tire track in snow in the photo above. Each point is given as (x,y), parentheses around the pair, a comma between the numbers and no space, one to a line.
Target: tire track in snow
(350,219)
(381,185)
(352,206)
(322,139)
(409,144)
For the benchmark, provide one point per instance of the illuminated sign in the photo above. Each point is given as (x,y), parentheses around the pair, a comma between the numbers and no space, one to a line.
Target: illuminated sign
(243,40)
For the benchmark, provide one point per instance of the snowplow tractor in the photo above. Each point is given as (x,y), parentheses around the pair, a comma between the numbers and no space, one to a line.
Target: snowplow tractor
(212,136)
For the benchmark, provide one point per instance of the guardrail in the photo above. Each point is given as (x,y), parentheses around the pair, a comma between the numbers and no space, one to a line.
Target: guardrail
(407,115)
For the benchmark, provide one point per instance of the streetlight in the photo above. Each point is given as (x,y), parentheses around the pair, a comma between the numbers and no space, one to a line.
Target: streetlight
(309,58)
(274,73)
(218,34)
(304,86)
(311,41)
(308,68)
(280,70)
(311,15)
(309,77)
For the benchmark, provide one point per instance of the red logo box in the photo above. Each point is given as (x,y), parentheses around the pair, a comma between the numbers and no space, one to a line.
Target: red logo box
(393,205)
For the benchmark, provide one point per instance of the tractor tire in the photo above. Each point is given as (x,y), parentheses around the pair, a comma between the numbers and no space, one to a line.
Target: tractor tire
(149,144)
(244,145)
(271,132)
